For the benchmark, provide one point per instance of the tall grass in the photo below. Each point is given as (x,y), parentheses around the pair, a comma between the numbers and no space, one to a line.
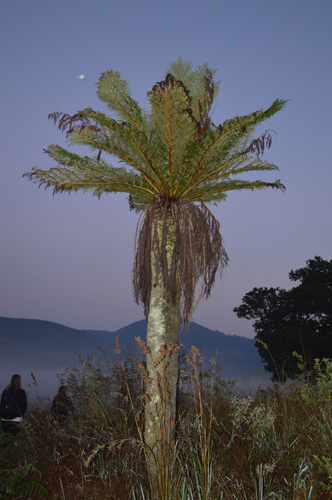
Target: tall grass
(274,443)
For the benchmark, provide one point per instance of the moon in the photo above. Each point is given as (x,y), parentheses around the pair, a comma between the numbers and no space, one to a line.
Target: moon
(81,77)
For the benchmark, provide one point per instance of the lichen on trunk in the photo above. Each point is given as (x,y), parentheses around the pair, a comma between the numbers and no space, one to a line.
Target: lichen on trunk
(162,359)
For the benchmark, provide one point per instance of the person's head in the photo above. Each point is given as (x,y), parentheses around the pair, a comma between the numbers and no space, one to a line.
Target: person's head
(63,390)
(15,381)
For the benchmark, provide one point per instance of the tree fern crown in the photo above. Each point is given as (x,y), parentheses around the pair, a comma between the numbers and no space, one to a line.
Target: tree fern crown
(171,149)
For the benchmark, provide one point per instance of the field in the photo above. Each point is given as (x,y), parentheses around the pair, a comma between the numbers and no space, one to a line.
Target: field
(271,443)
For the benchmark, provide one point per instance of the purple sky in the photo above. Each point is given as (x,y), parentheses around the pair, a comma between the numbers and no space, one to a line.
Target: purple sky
(68,259)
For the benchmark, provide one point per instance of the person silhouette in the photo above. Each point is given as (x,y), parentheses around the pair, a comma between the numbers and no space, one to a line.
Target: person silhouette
(62,406)
(13,405)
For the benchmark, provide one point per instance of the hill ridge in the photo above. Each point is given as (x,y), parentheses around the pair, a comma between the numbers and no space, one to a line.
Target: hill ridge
(33,344)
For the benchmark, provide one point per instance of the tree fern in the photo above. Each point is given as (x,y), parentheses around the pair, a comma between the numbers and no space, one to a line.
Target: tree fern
(172,161)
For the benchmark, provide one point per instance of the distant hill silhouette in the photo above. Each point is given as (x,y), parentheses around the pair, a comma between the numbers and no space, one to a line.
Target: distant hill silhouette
(35,345)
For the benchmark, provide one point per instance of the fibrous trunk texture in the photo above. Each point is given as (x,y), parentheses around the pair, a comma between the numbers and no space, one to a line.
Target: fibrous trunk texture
(162,361)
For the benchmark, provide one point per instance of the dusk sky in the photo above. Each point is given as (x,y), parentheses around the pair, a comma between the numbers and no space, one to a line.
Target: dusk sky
(68,258)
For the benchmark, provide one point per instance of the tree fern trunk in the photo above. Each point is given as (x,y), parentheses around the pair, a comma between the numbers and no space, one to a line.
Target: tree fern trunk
(162,363)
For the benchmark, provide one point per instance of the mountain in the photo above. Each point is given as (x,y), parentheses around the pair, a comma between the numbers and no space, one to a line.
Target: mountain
(43,347)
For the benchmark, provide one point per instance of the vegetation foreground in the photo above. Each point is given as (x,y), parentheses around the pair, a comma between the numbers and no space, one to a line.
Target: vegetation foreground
(274,443)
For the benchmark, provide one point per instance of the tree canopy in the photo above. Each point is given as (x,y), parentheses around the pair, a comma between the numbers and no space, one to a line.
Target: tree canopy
(296,320)
(172,161)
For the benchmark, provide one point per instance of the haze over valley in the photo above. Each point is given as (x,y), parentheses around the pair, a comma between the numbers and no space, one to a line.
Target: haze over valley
(46,348)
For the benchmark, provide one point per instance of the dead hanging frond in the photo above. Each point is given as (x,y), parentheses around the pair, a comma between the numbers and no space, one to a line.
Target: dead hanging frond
(69,123)
(258,146)
(169,81)
(197,252)
(36,177)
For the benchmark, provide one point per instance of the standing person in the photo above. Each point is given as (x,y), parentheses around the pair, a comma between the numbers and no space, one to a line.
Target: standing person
(62,407)
(13,405)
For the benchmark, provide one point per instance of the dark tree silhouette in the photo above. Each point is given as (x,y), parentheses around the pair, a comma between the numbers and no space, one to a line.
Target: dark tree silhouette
(297,320)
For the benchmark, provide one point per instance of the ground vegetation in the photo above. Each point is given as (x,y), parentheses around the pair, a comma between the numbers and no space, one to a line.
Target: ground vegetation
(272,443)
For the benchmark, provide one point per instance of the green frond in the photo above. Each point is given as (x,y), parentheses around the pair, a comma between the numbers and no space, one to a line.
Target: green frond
(130,146)
(15,482)
(218,177)
(173,126)
(255,165)
(276,106)
(224,148)
(173,150)
(115,92)
(200,83)
(203,91)
(181,70)
(90,174)
(216,192)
